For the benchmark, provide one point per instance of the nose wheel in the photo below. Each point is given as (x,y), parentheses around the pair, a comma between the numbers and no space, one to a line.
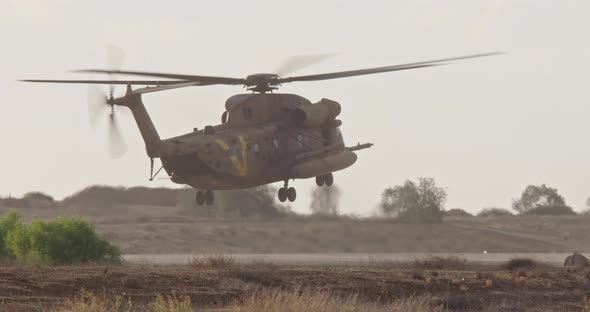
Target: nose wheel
(327,179)
(287,192)
(204,197)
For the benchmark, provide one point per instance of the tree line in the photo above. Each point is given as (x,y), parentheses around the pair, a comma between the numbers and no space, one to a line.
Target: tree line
(423,202)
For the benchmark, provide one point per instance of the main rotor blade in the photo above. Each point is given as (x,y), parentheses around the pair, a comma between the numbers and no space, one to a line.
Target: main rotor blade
(166,87)
(376,70)
(300,62)
(118,82)
(203,79)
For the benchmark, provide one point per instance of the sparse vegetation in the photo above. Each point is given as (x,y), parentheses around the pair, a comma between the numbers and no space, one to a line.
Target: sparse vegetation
(440,263)
(421,202)
(212,260)
(61,241)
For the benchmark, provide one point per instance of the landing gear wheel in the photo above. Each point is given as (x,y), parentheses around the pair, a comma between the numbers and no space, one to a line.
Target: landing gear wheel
(209,198)
(200,198)
(319,180)
(329,179)
(291,194)
(282,194)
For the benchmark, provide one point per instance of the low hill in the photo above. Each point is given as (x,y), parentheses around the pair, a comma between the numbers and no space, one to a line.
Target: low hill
(140,229)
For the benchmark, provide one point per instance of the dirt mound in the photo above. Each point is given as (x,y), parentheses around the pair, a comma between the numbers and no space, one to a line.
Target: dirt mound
(576,260)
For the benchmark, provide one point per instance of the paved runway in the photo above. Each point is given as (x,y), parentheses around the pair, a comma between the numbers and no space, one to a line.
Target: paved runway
(349,258)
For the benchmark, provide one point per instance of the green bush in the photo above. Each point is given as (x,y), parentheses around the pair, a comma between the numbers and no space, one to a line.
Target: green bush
(7,224)
(60,241)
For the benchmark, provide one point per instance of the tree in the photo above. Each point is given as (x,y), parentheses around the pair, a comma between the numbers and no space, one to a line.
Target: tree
(411,202)
(535,196)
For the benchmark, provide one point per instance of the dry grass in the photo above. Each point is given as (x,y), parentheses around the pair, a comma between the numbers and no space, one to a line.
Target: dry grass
(89,302)
(212,260)
(171,303)
(270,300)
(266,300)
(440,263)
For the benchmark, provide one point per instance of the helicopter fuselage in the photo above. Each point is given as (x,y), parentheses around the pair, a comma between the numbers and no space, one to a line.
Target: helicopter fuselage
(264,138)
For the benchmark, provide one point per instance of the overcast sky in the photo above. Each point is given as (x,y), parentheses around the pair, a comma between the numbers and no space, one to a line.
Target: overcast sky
(483,128)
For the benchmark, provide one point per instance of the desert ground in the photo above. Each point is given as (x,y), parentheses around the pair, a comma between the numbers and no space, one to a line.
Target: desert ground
(451,287)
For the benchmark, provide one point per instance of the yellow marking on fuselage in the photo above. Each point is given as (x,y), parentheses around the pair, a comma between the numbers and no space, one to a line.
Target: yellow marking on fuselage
(241,166)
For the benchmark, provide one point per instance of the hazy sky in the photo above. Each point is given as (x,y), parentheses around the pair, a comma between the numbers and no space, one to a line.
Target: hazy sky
(483,128)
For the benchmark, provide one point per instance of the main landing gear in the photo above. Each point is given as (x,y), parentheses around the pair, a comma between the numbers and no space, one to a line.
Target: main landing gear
(327,179)
(287,192)
(205,197)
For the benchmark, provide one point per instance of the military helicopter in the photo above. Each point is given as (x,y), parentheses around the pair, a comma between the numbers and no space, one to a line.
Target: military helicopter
(264,137)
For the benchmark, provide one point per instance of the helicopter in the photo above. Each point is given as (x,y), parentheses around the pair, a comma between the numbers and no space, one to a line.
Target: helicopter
(264,137)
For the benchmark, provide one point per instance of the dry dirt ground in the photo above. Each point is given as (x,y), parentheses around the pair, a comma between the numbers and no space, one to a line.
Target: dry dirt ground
(30,288)
(168,230)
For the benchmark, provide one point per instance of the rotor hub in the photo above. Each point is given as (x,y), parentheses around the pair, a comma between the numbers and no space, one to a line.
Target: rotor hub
(262,82)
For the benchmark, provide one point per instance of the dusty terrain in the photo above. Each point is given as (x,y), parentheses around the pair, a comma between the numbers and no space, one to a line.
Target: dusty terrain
(165,230)
(477,288)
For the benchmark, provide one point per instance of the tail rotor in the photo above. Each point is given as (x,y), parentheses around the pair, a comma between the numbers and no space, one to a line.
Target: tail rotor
(100,103)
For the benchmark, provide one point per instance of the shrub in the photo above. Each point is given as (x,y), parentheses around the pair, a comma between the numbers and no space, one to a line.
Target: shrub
(61,241)
(520,264)
(440,263)
(215,260)
(494,212)
(7,225)
(550,211)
